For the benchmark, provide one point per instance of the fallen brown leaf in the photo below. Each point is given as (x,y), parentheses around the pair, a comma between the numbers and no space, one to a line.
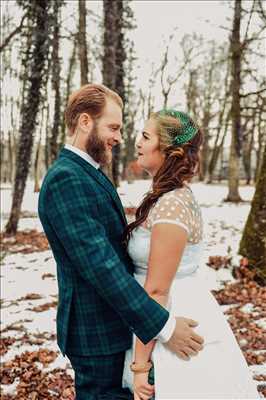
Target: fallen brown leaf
(44,307)
(27,241)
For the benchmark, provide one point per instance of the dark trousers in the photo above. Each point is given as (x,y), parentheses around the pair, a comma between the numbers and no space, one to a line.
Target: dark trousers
(99,377)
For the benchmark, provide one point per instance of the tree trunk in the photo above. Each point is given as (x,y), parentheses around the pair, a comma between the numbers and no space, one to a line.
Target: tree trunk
(235,148)
(47,136)
(221,170)
(110,67)
(192,93)
(12,146)
(10,157)
(53,142)
(38,155)
(30,107)
(253,242)
(261,143)
(247,153)
(205,150)
(223,122)
(71,70)
(215,157)
(37,168)
(82,43)
(119,84)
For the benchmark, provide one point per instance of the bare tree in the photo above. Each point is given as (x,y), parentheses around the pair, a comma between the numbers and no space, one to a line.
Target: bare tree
(82,43)
(253,242)
(235,148)
(147,97)
(120,56)
(69,81)
(132,105)
(109,56)
(117,20)
(39,13)
(16,31)
(240,55)
(56,79)
(168,81)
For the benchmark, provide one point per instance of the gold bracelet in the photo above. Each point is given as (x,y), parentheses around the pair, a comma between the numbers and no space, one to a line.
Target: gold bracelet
(139,368)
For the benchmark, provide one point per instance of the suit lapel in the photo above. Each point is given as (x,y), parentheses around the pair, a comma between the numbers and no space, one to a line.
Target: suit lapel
(100,177)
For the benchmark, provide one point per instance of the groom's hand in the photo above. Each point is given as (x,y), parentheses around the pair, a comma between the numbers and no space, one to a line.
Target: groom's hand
(184,342)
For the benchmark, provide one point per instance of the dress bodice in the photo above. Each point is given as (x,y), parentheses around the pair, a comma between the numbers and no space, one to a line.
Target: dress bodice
(139,247)
(177,207)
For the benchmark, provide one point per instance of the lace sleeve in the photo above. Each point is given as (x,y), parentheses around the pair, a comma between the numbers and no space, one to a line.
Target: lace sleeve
(180,208)
(171,209)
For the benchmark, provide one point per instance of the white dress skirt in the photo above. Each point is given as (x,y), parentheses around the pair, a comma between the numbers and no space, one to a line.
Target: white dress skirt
(220,370)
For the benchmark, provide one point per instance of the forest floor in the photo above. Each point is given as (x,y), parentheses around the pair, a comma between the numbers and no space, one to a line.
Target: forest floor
(33,368)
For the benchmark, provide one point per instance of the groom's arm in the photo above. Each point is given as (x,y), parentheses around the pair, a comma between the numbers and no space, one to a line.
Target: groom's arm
(87,246)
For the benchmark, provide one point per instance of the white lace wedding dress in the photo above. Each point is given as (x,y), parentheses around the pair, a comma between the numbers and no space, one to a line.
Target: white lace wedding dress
(220,370)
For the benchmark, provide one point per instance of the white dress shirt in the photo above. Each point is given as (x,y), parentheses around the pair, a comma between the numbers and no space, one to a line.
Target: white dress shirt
(83,155)
(168,329)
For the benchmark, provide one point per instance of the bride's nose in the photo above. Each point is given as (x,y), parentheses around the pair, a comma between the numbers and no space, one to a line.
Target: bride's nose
(137,144)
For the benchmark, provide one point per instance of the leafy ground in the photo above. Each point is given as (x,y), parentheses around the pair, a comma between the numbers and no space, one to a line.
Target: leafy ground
(32,367)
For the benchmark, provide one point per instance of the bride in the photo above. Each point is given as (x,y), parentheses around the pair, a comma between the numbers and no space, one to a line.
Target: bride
(165,242)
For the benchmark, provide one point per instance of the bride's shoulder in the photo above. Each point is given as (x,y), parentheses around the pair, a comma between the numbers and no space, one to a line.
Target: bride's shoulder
(183,194)
(179,197)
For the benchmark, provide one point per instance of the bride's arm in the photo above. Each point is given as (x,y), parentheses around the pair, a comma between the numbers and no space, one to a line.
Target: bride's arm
(168,242)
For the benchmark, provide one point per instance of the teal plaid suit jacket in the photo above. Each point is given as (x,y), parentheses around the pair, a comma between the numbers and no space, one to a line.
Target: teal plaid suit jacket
(100,303)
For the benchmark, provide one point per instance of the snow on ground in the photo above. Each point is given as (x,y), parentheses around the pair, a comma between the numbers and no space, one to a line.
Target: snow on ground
(24,274)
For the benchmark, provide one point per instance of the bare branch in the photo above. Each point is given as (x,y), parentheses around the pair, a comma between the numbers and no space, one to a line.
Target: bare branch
(13,33)
(261,10)
(252,39)
(248,24)
(253,93)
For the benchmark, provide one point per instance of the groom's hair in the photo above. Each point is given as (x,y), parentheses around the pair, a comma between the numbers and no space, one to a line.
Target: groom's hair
(91,99)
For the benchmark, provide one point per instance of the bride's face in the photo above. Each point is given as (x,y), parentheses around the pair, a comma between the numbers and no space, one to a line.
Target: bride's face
(150,157)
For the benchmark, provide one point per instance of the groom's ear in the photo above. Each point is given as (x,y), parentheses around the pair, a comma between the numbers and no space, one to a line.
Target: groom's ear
(85,122)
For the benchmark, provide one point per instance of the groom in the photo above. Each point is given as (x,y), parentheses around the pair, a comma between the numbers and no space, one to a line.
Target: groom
(100,303)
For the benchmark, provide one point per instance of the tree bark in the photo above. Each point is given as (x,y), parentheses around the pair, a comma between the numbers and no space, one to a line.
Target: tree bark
(109,43)
(253,242)
(82,43)
(71,70)
(113,58)
(53,142)
(37,167)
(248,142)
(40,11)
(109,55)
(13,33)
(205,150)
(119,83)
(261,143)
(217,152)
(235,148)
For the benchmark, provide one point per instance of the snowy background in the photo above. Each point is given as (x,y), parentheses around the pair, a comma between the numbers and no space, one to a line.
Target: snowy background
(28,281)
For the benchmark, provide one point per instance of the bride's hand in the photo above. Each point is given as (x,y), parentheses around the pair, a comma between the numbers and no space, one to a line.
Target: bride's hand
(142,389)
